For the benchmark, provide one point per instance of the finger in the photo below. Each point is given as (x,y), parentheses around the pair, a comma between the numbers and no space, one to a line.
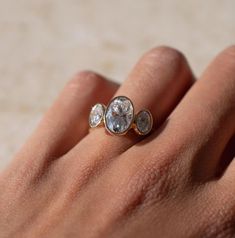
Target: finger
(203,123)
(65,123)
(157,82)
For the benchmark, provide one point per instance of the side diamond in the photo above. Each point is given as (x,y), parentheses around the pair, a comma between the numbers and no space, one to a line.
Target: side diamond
(143,122)
(96,115)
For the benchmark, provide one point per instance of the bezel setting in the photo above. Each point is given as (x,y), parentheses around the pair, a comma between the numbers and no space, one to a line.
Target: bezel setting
(149,124)
(119,117)
(98,111)
(117,104)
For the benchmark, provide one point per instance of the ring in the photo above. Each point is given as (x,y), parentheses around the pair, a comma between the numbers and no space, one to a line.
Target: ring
(119,117)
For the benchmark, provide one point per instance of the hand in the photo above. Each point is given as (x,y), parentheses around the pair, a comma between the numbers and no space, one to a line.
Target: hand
(177,182)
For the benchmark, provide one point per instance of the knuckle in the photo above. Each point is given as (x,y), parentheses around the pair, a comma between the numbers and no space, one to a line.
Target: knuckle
(230,50)
(227,57)
(167,55)
(85,80)
(166,61)
(220,225)
(221,221)
(157,183)
(85,75)
(149,186)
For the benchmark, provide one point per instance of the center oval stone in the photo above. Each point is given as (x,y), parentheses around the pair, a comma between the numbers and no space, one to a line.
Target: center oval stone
(119,115)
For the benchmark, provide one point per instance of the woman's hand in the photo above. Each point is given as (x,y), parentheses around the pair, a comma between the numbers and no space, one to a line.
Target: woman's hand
(177,182)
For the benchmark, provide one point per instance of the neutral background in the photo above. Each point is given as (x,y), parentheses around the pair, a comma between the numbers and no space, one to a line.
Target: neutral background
(44,42)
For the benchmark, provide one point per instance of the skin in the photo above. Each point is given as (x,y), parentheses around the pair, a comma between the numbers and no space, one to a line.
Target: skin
(176,182)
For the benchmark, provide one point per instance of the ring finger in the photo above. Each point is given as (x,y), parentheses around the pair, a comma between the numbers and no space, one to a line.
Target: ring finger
(157,82)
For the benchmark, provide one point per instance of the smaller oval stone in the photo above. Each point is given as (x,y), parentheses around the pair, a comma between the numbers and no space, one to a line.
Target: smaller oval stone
(96,115)
(144,122)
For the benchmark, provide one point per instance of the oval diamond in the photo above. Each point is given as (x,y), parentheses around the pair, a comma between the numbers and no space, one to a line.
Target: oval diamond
(144,122)
(119,115)
(96,115)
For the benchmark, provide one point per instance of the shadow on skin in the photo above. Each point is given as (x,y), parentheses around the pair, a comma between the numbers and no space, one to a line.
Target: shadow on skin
(227,156)
(155,133)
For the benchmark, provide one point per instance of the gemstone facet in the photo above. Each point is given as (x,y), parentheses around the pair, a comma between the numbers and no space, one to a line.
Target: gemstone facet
(96,115)
(119,115)
(143,122)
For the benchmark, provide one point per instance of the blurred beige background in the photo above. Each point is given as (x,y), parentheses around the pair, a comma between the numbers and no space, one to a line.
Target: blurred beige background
(43,43)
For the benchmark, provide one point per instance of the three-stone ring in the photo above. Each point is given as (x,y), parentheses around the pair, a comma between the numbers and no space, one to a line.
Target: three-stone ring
(119,117)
